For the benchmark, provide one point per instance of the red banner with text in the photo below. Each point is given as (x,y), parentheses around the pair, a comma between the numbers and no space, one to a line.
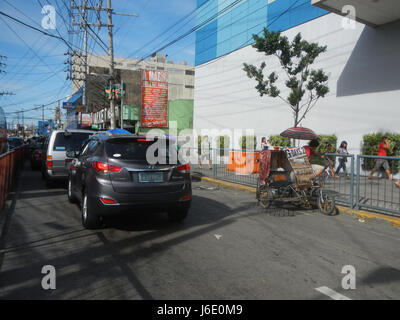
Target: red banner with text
(154,99)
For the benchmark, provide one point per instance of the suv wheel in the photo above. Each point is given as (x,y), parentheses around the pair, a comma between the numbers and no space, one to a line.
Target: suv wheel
(71,197)
(89,219)
(178,214)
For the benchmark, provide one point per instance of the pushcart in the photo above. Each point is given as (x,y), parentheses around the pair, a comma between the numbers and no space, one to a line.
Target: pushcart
(287,177)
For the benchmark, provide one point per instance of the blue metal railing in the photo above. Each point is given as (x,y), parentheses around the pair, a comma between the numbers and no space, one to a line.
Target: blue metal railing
(379,194)
(355,191)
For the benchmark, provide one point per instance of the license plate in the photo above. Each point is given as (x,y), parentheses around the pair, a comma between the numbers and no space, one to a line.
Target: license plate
(151,177)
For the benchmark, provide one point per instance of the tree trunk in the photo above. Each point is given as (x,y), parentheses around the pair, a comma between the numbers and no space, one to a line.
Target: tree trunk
(296,118)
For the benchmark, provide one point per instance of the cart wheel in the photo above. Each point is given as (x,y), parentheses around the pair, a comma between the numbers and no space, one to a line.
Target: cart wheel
(326,203)
(264,196)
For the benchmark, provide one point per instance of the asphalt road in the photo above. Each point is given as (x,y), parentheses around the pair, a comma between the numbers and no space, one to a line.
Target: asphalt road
(227,248)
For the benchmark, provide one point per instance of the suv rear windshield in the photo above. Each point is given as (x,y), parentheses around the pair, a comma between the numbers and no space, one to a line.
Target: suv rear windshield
(71,141)
(131,149)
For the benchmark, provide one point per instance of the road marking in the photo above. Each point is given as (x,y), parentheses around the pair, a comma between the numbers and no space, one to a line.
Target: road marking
(218,236)
(332,294)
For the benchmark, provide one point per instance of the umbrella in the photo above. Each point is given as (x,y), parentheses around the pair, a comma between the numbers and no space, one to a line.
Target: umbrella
(299,133)
(118,131)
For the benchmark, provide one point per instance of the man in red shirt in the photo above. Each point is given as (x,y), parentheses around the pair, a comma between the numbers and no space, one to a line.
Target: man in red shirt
(382,163)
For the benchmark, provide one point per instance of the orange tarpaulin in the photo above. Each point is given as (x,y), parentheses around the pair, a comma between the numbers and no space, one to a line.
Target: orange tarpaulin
(244,162)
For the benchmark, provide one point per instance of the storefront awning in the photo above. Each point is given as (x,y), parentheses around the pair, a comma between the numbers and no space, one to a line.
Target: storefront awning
(76,98)
(370,12)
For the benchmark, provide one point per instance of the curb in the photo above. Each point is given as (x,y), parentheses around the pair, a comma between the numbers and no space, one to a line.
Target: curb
(367,216)
(364,215)
(229,185)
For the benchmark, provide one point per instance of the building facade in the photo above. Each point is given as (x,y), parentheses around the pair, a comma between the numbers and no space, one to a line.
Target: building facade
(362,62)
(128,71)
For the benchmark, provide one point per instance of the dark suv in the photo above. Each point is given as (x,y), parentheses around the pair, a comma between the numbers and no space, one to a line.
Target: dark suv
(111,175)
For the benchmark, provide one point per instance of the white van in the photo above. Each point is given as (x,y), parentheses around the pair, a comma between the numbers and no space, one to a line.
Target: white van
(55,163)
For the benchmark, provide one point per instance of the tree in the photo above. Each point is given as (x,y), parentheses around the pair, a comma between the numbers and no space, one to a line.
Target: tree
(295,59)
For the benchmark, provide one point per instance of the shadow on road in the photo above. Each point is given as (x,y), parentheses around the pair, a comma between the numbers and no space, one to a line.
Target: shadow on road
(382,275)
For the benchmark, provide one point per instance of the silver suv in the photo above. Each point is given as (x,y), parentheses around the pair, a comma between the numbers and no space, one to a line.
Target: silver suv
(55,163)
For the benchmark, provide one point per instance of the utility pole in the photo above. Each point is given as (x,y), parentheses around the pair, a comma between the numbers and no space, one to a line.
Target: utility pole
(42,129)
(4,93)
(85,42)
(122,104)
(85,25)
(57,116)
(111,54)
(82,64)
(23,125)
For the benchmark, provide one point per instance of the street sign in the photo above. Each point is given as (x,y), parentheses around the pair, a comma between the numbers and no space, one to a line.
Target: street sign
(68,105)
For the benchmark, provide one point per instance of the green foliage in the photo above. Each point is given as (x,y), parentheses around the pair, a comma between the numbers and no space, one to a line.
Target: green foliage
(199,140)
(370,146)
(223,143)
(324,140)
(248,142)
(295,59)
(279,141)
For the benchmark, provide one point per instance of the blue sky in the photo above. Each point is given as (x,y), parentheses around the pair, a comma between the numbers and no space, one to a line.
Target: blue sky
(35,62)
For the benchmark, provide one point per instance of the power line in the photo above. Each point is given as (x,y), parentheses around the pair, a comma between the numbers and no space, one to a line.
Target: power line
(29,26)
(194,29)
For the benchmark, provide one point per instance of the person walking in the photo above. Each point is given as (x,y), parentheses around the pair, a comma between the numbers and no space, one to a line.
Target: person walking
(342,160)
(382,163)
(205,152)
(329,160)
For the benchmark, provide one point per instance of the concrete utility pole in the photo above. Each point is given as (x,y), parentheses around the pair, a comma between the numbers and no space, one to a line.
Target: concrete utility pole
(23,125)
(111,54)
(57,116)
(86,26)
(85,42)
(42,129)
(121,115)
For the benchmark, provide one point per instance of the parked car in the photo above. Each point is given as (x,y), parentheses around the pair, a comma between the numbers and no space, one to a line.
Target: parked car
(15,142)
(35,153)
(55,163)
(111,175)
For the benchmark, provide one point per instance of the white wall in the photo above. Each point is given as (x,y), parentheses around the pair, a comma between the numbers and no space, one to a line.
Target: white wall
(364,97)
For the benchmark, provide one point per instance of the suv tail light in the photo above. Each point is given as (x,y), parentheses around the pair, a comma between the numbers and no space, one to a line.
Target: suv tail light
(185,198)
(49,163)
(107,201)
(105,167)
(185,168)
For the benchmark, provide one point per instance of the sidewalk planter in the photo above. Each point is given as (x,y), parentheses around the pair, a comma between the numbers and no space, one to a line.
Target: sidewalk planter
(244,162)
